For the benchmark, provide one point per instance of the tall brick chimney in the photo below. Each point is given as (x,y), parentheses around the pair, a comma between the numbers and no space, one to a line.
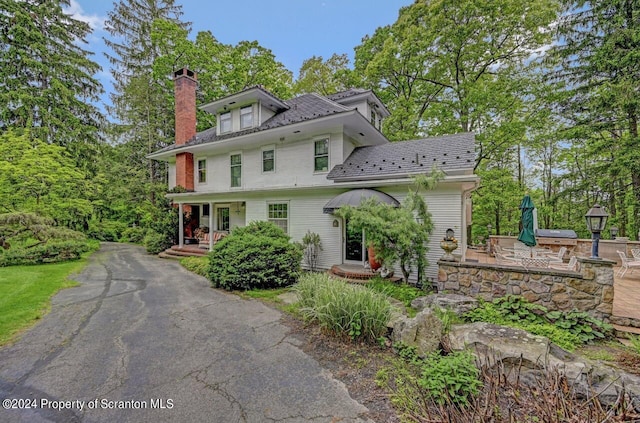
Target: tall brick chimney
(185,84)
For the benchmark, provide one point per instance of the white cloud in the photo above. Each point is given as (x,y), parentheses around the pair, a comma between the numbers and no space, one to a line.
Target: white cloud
(75,10)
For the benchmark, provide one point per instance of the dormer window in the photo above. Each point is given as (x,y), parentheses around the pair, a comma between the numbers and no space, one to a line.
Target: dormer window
(225,122)
(246,117)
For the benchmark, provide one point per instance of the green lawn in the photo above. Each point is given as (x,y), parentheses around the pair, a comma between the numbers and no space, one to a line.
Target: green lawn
(26,291)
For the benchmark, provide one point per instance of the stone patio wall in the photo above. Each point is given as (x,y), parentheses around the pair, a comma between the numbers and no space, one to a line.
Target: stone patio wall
(590,289)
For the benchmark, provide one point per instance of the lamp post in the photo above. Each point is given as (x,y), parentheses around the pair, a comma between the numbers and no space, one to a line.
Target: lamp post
(614,232)
(596,219)
(489,239)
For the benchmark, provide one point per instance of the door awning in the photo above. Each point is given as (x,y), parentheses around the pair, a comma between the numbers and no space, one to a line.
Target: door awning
(355,197)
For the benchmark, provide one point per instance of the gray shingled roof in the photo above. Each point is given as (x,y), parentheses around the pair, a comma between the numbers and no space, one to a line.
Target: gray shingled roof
(302,108)
(347,93)
(449,152)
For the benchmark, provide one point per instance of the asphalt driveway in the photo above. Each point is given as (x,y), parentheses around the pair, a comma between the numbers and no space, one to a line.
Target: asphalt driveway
(143,340)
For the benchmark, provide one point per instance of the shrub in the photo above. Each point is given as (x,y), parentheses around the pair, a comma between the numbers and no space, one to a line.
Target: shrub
(567,329)
(450,378)
(50,252)
(197,265)
(155,242)
(135,235)
(311,247)
(256,256)
(581,324)
(342,308)
(106,230)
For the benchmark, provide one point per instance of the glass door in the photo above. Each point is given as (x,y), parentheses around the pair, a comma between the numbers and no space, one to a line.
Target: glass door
(353,250)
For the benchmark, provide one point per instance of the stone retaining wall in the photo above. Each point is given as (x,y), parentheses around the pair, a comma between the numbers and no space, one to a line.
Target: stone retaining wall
(590,289)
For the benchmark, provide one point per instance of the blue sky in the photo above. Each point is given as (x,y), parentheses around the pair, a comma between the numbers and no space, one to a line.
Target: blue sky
(294,30)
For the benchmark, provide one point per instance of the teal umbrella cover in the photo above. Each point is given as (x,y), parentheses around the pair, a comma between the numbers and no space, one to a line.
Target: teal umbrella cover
(527,237)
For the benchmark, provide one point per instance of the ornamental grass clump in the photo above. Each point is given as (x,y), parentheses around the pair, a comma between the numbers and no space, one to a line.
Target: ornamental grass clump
(343,308)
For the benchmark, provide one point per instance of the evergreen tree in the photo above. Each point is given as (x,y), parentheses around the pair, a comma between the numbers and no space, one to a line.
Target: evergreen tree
(141,102)
(599,52)
(47,77)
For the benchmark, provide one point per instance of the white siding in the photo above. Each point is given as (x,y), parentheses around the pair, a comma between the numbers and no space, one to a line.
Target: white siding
(445,206)
(305,213)
(293,166)
(172,175)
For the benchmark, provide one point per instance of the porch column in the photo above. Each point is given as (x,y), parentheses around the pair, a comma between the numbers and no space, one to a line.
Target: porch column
(180,226)
(210,226)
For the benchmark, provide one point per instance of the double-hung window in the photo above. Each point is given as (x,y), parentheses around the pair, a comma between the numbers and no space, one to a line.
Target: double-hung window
(225,122)
(278,213)
(236,170)
(246,117)
(268,160)
(202,171)
(223,218)
(321,155)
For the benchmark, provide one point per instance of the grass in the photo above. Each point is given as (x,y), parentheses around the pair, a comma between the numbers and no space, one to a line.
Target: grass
(270,294)
(26,291)
(400,291)
(197,265)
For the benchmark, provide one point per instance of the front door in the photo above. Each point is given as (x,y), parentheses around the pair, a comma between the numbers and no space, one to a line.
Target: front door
(353,250)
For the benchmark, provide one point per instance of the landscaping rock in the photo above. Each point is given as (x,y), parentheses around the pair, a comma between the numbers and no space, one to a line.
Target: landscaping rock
(459,304)
(531,353)
(423,331)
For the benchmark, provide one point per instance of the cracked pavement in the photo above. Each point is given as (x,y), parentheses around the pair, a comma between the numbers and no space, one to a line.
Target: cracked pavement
(142,329)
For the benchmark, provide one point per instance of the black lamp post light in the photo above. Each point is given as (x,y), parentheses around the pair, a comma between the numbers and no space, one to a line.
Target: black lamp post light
(614,232)
(596,219)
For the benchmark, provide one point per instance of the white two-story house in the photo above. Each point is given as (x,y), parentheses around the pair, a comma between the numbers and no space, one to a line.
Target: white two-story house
(293,162)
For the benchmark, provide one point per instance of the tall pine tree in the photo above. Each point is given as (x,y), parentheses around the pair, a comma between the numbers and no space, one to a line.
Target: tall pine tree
(48,81)
(599,49)
(144,119)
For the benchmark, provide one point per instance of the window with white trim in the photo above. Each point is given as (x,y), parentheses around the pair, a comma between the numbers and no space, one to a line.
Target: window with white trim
(236,170)
(321,155)
(278,214)
(246,117)
(202,171)
(225,122)
(268,160)
(223,218)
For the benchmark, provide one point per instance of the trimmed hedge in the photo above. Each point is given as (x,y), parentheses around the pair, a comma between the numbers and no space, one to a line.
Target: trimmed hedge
(256,256)
(51,252)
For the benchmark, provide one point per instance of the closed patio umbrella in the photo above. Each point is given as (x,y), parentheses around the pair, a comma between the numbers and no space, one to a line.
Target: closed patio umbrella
(527,237)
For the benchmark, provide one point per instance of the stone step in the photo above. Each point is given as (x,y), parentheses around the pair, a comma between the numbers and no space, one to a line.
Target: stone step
(626,329)
(166,255)
(177,253)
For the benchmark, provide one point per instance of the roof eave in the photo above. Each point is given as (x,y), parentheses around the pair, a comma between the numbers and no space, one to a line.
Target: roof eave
(165,155)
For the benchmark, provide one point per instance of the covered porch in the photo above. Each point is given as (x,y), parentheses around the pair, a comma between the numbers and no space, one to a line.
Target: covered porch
(201,225)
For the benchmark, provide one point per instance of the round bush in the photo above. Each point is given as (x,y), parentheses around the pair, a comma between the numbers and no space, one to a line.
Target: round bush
(155,242)
(134,234)
(256,256)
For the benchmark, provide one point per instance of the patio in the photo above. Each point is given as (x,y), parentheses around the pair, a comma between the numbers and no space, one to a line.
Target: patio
(626,296)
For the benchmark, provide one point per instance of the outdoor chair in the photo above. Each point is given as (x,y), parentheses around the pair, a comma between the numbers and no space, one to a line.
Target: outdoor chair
(501,259)
(572,265)
(635,252)
(626,264)
(535,262)
(557,257)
